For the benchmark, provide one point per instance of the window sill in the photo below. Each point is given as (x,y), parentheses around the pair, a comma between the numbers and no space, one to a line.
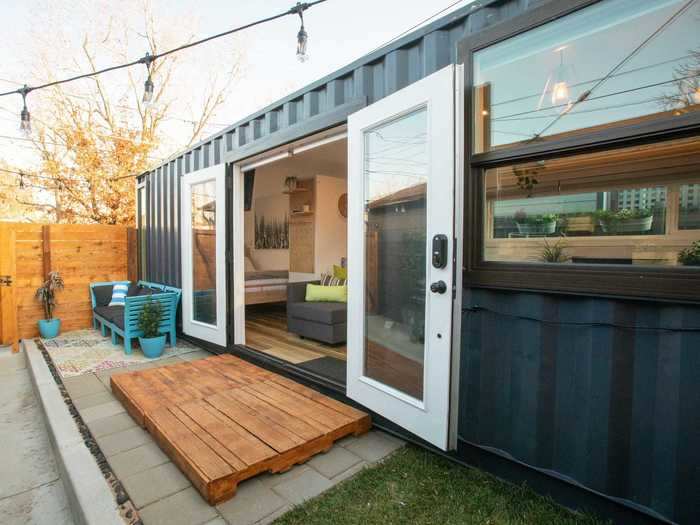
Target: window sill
(655,283)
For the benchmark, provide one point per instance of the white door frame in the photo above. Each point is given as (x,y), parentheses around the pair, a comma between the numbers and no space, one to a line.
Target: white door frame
(212,333)
(428,418)
(238,213)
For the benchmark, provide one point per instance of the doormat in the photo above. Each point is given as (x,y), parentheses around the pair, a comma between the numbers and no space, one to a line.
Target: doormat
(86,351)
(327,367)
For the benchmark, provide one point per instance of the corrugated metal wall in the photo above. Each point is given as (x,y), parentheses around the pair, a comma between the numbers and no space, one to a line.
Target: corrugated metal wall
(604,392)
(323,104)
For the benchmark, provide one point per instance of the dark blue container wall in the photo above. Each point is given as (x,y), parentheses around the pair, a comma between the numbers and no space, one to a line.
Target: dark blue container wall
(163,194)
(604,392)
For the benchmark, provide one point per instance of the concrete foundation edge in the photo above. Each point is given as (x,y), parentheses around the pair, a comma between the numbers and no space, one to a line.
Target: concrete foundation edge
(91,500)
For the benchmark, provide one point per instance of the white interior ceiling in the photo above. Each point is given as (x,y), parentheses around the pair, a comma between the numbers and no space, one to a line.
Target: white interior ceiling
(330,159)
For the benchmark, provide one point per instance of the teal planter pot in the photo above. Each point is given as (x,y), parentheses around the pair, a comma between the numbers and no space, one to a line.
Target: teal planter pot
(153,346)
(49,328)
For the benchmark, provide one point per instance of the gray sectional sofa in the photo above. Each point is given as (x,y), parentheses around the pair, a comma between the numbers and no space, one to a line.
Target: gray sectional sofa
(326,322)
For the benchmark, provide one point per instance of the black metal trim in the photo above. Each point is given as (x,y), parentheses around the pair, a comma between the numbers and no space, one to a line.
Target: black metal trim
(648,283)
(228,206)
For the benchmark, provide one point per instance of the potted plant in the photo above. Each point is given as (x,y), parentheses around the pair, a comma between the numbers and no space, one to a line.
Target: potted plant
(691,255)
(555,253)
(535,224)
(46,293)
(626,220)
(152,342)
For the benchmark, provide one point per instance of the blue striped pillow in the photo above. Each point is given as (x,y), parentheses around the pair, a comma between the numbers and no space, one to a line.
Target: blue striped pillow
(119,292)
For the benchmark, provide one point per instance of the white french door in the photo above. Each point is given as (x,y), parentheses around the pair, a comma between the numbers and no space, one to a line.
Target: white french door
(401,212)
(203,254)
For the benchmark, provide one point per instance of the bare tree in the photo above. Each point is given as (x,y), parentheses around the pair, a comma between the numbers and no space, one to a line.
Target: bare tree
(91,142)
(686,86)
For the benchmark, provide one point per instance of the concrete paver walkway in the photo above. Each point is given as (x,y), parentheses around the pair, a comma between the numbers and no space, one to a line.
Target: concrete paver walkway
(31,490)
(164,495)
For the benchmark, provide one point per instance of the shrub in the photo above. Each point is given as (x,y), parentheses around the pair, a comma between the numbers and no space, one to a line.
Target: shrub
(149,319)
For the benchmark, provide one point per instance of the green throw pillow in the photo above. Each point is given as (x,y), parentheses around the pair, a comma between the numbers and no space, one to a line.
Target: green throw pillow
(339,272)
(315,293)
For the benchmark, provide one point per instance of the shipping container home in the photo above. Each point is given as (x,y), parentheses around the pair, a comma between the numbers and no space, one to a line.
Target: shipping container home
(512,193)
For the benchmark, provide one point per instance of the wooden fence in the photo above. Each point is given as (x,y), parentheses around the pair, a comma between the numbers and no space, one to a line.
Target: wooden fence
(81,253)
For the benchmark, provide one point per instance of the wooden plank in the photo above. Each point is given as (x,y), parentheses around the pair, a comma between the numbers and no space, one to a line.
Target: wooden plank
(8,307)
(257,424)
(271,412)
(318,397)
(46,249)
(313,413)
(230,431)
(236,463)
(205,468)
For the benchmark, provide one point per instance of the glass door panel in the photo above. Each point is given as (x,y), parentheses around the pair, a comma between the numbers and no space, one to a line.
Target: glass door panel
(204,252)
(396,173)
(203,249)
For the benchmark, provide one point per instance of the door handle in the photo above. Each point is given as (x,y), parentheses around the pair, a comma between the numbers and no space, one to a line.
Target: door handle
(438,287)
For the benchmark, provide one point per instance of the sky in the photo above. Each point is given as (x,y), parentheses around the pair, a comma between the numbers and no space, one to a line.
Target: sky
(340,31)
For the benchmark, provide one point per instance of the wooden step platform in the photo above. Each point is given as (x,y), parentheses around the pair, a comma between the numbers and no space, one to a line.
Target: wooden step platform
(223,420)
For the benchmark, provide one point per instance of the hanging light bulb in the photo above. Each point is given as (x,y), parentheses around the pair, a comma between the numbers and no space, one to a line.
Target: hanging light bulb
(560,90)
(25,124)
(148,85)
(302,35)
(148,91)
(302,40)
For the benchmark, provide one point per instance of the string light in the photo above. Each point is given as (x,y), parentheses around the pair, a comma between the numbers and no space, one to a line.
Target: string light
(148,85)
(302,35)
(25,123)
(302,38)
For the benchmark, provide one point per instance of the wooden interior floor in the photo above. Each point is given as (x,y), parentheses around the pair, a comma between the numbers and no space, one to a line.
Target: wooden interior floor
(266,331)
(222,420)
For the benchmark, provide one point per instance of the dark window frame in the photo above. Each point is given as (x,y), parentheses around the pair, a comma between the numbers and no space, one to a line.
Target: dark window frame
(656,283)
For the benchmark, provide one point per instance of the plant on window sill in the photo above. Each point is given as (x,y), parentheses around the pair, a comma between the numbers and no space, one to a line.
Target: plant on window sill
(535,224)
(625,220)
(555,253)
(691,255)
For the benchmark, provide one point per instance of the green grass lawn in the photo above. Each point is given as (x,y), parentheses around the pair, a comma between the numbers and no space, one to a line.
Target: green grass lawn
(417,487)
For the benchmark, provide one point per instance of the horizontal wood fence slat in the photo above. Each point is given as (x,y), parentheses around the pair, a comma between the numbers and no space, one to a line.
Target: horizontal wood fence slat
(80,253)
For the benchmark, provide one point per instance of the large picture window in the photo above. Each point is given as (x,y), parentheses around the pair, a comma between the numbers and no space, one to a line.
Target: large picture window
(612,207)
(584,155)
(614,61)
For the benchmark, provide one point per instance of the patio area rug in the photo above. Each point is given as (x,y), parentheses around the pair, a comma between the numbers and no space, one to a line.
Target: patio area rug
(86,351)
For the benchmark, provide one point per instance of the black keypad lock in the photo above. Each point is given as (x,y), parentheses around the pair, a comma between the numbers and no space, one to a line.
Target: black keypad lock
(439,251)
